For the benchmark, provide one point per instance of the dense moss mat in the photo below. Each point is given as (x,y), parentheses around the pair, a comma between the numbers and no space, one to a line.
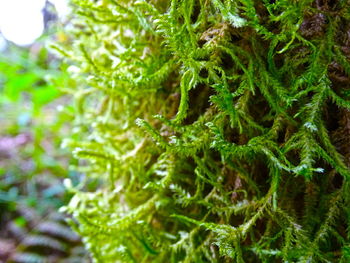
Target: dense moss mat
(218,130)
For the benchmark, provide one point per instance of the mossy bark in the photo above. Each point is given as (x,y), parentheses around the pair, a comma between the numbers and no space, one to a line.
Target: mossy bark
(217,130)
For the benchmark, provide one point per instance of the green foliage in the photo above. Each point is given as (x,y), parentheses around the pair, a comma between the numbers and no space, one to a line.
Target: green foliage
(31,128)
(218,131)
(32,165)
(24,76)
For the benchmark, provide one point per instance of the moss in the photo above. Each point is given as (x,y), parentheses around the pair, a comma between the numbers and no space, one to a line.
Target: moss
(217,130)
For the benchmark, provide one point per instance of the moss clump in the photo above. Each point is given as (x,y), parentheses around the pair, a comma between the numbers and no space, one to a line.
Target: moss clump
(218,130)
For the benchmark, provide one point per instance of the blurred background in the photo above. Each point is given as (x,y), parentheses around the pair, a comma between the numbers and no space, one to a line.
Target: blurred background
(34,115)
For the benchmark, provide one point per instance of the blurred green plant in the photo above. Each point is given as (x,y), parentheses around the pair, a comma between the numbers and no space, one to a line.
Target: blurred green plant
(31,123)
(35,116)
(25,73)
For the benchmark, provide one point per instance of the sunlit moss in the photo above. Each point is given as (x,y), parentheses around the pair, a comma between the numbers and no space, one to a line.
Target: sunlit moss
(215,127)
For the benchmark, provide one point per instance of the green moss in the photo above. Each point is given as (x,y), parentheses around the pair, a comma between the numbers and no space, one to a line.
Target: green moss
(218,130)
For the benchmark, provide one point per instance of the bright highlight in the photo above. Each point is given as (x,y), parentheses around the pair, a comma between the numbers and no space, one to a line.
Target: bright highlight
(21,21)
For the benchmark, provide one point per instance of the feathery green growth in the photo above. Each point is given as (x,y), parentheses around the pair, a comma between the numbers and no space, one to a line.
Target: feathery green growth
(218,130)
